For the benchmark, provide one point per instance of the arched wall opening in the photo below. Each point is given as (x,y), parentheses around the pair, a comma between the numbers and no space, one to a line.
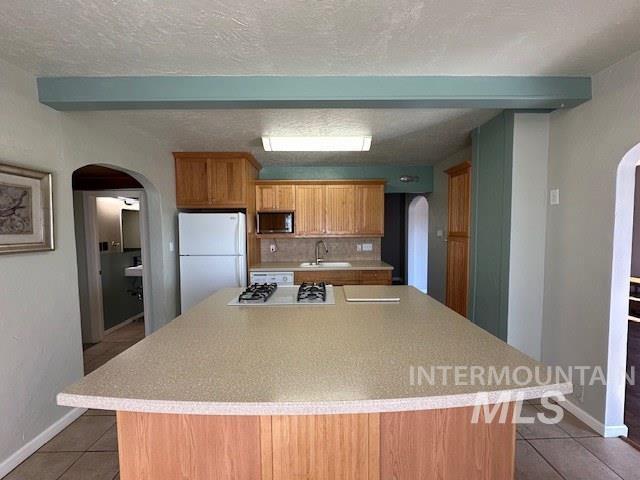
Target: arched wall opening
(620,275)
(153,260)
(418,243)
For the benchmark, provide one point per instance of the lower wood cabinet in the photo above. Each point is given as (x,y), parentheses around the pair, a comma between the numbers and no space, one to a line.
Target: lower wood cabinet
(426,445)
(345,277)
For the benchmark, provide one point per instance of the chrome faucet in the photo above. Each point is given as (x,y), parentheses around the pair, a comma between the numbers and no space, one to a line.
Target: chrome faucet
(326,250)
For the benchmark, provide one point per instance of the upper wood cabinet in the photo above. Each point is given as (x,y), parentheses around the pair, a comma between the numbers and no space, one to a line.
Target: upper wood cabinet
(275,197)
(215,179)
(333,208)
(309,217)
(340,209)
(369,209)
(192,181)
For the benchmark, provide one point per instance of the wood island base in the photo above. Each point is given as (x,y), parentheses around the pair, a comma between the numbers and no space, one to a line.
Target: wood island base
(416,445)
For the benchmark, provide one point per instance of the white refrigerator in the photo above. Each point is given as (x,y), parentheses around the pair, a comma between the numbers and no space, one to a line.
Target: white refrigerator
(212,248)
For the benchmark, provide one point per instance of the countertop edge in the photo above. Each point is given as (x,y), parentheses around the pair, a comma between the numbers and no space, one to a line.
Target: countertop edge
(310,408)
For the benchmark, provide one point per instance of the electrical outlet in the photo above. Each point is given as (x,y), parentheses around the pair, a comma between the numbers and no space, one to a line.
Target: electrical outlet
(439,233)
(358,247)
(554,197)
(367,247)
(273,248)
(171,248)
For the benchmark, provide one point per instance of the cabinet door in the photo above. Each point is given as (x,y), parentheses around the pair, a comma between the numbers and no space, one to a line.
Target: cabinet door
(457,281)
(266,197)
(340,201)
(285,197)
(275,197)
(369,208)
(228,181)
(375,277)
(309,216)
(192,182)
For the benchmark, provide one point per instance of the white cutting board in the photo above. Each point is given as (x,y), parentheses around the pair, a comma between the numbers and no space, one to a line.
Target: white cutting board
(371,293)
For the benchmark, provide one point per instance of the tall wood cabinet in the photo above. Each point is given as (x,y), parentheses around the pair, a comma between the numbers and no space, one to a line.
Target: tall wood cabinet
(459,226)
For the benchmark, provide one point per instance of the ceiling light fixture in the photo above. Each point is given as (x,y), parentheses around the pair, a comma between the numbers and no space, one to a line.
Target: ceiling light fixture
(317,144)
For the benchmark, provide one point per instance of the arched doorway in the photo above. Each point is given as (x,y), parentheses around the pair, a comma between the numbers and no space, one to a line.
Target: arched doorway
(112,245)
(620,276)
(418,243)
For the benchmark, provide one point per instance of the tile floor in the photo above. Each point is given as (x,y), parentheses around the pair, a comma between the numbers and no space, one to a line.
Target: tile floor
(88,450)
(112,344)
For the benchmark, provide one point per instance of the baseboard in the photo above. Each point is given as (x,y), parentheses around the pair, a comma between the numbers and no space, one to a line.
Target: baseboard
(34,444)
(122,324)
(598,426)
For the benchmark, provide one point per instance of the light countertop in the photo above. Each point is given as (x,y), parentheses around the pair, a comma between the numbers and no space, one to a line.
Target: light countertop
(295,266)
(342,358)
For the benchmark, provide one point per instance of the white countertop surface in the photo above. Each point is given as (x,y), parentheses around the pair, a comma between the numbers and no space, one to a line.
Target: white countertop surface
(345,358)
(295,266)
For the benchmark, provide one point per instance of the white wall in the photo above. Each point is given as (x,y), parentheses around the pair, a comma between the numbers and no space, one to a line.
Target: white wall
(40,345)
(438,220)
(528,228)
(587,144)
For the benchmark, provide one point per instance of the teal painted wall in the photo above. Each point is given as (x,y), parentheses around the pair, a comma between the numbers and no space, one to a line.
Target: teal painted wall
(391,173)
(492,146)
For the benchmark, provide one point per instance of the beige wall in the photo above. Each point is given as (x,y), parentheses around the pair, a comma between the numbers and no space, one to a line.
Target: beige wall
(40,345)
(587,144)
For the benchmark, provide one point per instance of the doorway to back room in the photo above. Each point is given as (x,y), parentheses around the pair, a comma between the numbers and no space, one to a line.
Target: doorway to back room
(111,243)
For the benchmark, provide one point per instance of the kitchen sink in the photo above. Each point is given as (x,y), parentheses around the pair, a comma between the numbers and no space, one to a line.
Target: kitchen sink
(325,265)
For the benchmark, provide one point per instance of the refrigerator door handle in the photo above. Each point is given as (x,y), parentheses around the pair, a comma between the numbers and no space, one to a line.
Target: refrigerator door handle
(238,268)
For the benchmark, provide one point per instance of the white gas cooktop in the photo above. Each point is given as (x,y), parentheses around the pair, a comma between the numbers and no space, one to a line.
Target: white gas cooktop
(286,295)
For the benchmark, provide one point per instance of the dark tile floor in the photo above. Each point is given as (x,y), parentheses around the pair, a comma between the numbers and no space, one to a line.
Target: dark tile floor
(88,450)
(112,344)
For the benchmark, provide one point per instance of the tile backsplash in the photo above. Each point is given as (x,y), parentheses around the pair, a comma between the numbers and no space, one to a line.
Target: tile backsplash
(304,249)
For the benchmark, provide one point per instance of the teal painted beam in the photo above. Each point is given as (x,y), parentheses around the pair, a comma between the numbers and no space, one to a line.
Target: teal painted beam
(190,92)
(391,173)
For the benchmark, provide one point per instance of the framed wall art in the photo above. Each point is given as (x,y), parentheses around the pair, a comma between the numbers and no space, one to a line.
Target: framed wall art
(26,210)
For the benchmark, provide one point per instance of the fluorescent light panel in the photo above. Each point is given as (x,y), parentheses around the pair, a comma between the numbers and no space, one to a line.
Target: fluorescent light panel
(317,144)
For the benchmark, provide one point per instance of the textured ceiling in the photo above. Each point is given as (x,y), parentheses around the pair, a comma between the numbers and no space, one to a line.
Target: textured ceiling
(399,37)
(411,136)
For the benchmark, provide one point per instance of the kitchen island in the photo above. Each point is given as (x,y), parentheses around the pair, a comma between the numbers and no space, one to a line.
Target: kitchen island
(313,392)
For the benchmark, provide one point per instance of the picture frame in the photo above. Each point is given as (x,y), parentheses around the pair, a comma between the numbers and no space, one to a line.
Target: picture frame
(26,210)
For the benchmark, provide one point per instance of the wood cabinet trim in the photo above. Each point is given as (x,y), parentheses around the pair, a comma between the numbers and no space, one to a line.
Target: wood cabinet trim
(460,168)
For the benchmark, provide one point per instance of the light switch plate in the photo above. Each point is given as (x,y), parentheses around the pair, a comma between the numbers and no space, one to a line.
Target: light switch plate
(171,247)
(439,233)
(358,247)
(273,248)
(367,247)
(554,197)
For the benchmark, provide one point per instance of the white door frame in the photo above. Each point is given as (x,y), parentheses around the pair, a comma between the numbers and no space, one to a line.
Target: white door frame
(94,280)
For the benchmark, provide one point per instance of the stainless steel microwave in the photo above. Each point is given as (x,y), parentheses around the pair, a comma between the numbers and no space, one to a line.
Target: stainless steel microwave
(275,222)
